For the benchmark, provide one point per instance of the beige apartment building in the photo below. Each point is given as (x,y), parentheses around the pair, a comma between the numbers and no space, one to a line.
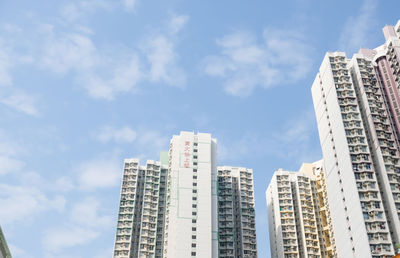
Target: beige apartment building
(298,214)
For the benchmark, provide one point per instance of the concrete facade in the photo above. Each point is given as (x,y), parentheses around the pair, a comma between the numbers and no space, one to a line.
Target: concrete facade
(236,213)
(142,210)
(297,227)
(192,225)
(357,102)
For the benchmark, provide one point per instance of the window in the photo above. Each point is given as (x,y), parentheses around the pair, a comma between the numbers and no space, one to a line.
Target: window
(193,245)
(193,253)
(193,229)
(193,236)
(193,221)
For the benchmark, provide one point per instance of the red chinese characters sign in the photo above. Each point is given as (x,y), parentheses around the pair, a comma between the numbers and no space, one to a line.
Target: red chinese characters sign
(187,154)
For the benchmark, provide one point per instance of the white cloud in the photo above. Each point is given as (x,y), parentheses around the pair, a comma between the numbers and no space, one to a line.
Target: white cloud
(153,138)
(176,23)
(22,102)
(124,79)
(78,10)
(5,65)
(100,173)
(56,239)
(73,51)
(295,140)
(235,150)
(84,224)
(121,135)
(147,143)
(358,28)
(105,253)
(9,95)
(63,184)
(9,162)
(298,139)
(244,63)
(11,28)
(160,52)
(129,4)
(104,74)
(161,55)
(86,213)
(24,202)
(18,252)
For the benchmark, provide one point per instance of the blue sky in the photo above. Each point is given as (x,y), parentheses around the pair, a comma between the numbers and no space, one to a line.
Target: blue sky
(84,84)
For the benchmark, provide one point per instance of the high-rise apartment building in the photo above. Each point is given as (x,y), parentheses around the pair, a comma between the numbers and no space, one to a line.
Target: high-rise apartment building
(191,228)
(236,214)
(172,208)
(142,210)
(298,216)
(357,105)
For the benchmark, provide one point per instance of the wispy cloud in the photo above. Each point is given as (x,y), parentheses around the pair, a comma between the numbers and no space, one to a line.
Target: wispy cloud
(19,252)
(21,101)
(24,202)
(69,49)
(176,23)
(64,52)
(161,54)
(80,10)
(84,223)
(104,74)
(86,213)
(77,10)
(281,57)
(5,66)
(298,139)
(357,29)
(147,143)
(129,4)
(10,162)
(121,135)
(124,78)
(294,141)
(56,239)
(10,95)
(99,173)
